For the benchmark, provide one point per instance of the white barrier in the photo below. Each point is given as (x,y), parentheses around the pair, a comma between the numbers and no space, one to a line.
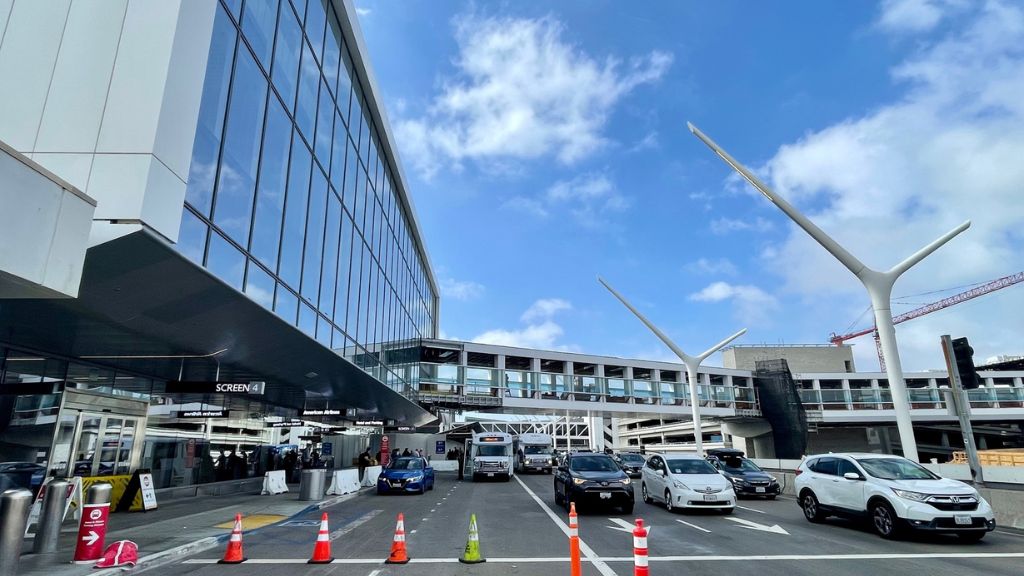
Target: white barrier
(274,483)
(344,482)
(370,475)
(445,465)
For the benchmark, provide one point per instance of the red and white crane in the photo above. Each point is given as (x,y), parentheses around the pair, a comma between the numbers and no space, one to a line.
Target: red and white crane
(981,290)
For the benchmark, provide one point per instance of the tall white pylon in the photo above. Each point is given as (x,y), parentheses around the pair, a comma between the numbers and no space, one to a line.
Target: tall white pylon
(691,362)
(877,283)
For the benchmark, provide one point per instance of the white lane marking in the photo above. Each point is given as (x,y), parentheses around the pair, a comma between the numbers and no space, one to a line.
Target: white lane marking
(751,509)
(412,532)
(603,568)
(354,524)
(601,561)
(433,509)
(624,526)
(693,526)
(424,520)
(775,528)
(375,572)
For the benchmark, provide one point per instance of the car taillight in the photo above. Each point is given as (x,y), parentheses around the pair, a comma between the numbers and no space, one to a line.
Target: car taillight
(798,471)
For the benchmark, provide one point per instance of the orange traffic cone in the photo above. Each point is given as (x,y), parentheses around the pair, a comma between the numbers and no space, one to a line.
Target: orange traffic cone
(322,550)
(233,555)
(398,555)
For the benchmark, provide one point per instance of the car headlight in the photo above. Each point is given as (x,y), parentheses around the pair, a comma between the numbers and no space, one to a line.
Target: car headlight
(739,481)
(915,496)
(679,485)
(578,481)
(625,481)
(416,479)
(772,480)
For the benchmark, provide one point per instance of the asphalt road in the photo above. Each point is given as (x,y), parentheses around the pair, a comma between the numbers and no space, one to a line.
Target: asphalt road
(521,532)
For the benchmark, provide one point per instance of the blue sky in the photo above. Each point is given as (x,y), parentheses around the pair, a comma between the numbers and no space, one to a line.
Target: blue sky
(546,143)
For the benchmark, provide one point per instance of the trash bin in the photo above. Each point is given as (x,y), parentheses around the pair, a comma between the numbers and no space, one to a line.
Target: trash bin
(311,484)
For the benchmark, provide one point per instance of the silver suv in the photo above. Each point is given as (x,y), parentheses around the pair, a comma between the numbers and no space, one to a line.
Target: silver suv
(895,493)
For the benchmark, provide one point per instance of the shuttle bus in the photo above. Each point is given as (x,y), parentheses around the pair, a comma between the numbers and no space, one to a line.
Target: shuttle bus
(535,452)
(491,456)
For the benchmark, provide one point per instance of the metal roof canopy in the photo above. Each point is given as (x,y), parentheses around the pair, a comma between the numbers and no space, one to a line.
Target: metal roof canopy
(145,308)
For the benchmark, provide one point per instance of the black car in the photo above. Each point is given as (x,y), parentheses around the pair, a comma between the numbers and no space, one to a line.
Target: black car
(589,479)
(747,479)
(631,462)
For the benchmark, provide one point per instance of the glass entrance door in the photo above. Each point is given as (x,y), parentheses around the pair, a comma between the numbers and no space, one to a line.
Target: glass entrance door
(102,444)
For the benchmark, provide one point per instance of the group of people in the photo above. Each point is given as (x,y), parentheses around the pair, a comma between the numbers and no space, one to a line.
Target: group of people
(231,466)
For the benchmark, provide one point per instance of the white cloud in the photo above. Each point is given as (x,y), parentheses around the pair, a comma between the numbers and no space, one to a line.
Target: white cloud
(530,206)
(724,225)
(461,290)
(753,306)
(648,142)
(712,267)
(541,331)
(589,198)
(913,15)
(522,91)
(363,11)
(889,182)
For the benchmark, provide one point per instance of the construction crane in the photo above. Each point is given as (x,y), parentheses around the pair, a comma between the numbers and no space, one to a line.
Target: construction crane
(981,290)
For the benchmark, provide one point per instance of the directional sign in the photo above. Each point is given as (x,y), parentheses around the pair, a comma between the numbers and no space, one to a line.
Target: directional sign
(775,528)
(91,532)
(624,526)
(91,538)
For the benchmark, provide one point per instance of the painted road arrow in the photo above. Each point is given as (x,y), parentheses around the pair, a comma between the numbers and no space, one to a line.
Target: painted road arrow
(624,526)
(760,527)
(90,538)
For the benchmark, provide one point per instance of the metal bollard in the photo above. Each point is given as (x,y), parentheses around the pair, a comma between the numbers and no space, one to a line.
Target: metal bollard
(51,517)
(14,508)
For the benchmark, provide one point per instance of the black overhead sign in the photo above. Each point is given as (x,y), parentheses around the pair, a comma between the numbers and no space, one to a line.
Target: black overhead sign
(288,424)
(201,387)
(320,412)
(369,422)
(203,414)
(400,429)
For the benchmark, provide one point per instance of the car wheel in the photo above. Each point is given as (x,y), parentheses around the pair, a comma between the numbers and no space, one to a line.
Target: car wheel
(644,494)
(668,501)
(885,521)
(970,536)
(812,510)
(568,504)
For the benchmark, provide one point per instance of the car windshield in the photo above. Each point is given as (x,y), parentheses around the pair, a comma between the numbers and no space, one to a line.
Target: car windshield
(895,469)
(739,465)
(407,464)
(491,450)
(537,450)
(691,467)
(593,464)
(632,458)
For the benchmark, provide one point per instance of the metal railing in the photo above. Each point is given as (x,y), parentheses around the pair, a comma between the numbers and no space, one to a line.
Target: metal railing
(919,398)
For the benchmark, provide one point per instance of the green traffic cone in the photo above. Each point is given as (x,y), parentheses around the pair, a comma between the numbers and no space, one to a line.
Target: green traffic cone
(472,554)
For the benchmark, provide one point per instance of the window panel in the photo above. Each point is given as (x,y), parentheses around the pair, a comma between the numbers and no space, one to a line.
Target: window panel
(344,92)
(330,259)
(192,237)
(316,19)
(273,180)
(338,155)
(355,115)
(206,148)
(309,83)
(286,304)
(225,261)
(260,286)
(307,320)
(258,24)
(323,331)
(352,176)
(234,5)
(324,128)
(313,259)
(344,261)
(286,55)
(364,295)
(290,266)
(236,182)
(332,51)
(352,323)
(300,8)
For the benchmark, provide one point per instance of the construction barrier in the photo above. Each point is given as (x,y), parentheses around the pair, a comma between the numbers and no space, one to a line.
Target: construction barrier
(344,482)
(640,549)
(445,465)
(274,483)
(1001,457)
(322,549)
(574,542)
(370,475)
(472,554)
(398,554)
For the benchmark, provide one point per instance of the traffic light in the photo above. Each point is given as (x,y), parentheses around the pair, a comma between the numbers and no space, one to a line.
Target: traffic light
(964,356)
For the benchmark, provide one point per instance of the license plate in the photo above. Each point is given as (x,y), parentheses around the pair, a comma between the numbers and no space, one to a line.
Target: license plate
(490,474)
(710,498)
(963,520)
(396,484)
(759,490)
(606,495)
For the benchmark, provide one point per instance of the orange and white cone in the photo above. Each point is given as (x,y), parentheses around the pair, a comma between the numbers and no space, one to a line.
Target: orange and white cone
(398,555)
(233,555)
(322,550)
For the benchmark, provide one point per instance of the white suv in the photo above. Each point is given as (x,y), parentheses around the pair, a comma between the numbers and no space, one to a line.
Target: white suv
(893,492)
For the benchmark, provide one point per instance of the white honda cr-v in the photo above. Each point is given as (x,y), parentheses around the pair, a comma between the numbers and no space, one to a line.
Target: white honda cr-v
(893,492)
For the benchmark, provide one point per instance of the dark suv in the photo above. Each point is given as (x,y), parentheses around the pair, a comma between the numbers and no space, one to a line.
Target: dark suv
(631,462)
(587,477)
(747,479)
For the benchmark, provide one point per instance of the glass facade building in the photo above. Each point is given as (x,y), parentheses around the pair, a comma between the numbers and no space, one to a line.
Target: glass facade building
(292,198)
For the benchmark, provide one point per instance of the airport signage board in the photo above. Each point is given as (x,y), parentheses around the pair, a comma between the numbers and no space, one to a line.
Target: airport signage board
(185,414)
(286,424)
(320,412)
(369,422)
(256,387)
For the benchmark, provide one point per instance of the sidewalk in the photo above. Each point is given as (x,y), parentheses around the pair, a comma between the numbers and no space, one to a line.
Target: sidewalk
(182,526)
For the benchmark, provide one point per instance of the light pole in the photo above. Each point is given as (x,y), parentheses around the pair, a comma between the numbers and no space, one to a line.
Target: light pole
(878,284)
(691,362)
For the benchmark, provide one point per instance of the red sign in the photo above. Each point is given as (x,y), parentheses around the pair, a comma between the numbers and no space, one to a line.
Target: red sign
(91,532)
(385,451)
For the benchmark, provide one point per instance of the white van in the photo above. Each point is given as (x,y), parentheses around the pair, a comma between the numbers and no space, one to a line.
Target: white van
(535,452)
(491,456)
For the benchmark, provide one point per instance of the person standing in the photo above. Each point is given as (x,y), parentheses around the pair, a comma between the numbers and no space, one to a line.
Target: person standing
(364,461)
(461,457)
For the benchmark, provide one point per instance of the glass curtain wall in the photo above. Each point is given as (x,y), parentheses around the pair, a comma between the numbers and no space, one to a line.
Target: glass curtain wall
(290,198)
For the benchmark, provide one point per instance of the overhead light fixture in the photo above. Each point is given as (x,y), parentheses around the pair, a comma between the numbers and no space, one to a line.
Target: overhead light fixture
(311,374)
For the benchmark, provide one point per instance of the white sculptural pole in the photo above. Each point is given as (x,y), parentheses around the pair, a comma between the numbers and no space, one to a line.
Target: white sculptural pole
(691,362)
(878,284)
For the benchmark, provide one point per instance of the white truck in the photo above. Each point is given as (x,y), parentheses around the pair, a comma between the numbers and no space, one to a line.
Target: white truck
(491,456)
(535,452)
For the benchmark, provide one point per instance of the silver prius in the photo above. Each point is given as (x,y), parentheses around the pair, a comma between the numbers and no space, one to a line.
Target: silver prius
(686,481)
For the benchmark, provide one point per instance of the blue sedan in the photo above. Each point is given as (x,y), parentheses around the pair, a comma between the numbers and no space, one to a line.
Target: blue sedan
(406,474)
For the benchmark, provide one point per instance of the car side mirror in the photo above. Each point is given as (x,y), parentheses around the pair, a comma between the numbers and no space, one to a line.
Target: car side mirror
(661,472)
(852,476)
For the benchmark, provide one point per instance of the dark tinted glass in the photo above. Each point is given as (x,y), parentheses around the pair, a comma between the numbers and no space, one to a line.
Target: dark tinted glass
(826,466)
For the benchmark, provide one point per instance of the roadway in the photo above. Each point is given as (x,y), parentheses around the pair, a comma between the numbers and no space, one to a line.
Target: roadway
(522,532)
